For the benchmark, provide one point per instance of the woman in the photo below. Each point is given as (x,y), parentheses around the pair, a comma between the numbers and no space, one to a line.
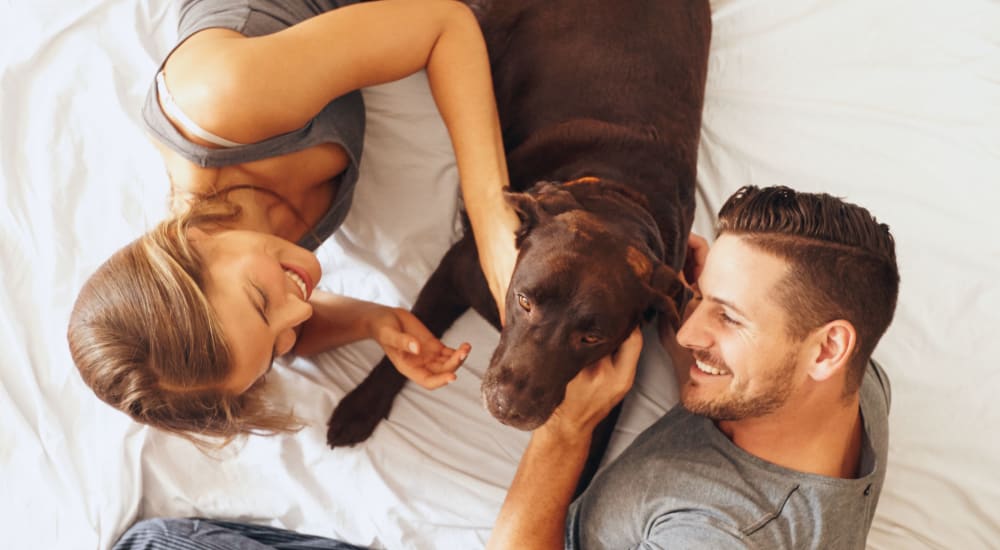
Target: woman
(258,118)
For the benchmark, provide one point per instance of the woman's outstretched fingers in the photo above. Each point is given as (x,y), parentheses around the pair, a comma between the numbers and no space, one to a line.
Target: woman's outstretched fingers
(453,360)
(435,381)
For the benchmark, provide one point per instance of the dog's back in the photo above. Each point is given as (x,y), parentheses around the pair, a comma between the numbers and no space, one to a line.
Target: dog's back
(606,88)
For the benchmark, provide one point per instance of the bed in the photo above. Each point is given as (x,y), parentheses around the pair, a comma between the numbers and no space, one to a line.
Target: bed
(894,104)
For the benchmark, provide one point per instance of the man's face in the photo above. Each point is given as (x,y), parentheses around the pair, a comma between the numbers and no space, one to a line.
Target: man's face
(746,364)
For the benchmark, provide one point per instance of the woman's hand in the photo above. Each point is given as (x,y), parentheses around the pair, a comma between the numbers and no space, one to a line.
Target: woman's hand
(592,394)
(414,351)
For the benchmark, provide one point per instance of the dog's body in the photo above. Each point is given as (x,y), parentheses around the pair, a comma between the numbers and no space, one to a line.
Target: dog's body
(600,104)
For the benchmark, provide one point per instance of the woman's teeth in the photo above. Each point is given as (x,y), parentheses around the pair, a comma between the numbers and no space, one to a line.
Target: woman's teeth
(298,281)
(708,369)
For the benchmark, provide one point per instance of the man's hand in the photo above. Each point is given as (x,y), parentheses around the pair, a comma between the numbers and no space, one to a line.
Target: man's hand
(694,263)
(592,394)
(414,351)
(534,513)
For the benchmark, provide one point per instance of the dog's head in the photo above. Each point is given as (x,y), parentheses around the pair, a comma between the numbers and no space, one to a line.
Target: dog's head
(582,282)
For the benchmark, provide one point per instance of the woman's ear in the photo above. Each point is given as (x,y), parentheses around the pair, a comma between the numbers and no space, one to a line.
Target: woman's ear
(832,347)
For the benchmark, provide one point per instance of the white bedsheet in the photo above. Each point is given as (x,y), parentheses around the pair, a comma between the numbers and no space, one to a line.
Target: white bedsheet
(894,104)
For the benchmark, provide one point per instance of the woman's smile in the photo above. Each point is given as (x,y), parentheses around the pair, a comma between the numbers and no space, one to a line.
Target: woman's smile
(299,277)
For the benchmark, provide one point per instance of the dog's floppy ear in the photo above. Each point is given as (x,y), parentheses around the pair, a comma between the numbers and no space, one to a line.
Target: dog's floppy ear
(668,294)
(543,201)
(554,199)
(526,207)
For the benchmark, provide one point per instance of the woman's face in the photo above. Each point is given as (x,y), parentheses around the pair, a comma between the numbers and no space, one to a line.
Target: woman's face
(259,286)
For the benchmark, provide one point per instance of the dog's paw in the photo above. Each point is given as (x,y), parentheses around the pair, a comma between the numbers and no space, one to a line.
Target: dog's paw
(356,417)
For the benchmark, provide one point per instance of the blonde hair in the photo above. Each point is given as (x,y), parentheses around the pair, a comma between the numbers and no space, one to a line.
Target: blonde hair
(147,341)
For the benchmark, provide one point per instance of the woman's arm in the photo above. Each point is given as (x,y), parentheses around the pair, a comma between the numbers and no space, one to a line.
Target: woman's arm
(416,353)
(249,89)
(533,515)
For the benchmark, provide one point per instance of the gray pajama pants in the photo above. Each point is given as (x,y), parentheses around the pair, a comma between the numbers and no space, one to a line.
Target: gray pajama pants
(210,534)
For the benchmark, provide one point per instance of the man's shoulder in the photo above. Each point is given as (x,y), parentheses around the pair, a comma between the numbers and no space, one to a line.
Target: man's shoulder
(681,478)
(877,382)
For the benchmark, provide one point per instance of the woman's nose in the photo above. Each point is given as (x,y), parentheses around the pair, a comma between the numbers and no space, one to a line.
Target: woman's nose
(298,310)
(295,312)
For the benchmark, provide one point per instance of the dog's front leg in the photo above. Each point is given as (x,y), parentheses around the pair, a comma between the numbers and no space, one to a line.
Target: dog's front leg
(442,300)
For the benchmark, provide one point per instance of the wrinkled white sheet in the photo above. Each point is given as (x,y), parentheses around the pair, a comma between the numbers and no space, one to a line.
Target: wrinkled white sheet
(894,104)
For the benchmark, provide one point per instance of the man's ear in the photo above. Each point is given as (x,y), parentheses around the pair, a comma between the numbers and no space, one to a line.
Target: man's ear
(668,294)
(831,348)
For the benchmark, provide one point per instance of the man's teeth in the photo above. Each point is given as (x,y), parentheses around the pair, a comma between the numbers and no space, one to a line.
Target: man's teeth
(708,369)
(298,281)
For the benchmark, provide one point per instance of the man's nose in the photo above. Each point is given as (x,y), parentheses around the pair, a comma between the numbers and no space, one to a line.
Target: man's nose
(692,333)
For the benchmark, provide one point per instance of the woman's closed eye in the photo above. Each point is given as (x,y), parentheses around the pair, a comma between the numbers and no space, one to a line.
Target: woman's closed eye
(262,305)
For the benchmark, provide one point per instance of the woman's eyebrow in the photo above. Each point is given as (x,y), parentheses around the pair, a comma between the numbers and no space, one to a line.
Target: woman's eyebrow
(257,306)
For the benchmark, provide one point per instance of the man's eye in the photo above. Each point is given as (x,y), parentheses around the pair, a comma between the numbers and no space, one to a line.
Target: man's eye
(727,319)
(523,302)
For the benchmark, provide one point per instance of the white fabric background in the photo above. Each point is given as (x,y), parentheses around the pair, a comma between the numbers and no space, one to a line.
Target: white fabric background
(894,104)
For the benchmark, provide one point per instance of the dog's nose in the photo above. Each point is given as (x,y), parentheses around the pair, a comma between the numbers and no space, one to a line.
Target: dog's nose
(499,399)
(511,404)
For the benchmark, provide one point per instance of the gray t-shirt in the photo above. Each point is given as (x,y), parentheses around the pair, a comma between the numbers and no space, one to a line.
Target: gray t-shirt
(342,121)
(683,484)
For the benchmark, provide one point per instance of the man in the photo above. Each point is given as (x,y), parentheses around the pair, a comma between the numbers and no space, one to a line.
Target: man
(781,437)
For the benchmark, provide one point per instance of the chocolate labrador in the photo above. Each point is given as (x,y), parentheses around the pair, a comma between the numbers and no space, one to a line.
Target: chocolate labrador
(600,104)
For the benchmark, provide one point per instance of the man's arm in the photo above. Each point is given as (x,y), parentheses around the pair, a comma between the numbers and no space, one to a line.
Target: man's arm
(533,515)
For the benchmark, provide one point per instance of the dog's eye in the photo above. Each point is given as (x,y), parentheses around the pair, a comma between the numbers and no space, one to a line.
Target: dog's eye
(523,302)
(591,338)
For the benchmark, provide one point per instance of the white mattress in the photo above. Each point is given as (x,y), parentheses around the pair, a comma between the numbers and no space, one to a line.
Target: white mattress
(894,104)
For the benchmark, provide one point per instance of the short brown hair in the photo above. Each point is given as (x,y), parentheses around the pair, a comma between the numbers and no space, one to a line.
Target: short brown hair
(146,340)
(842,261)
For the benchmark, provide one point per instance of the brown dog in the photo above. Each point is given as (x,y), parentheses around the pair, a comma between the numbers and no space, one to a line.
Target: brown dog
(600,103)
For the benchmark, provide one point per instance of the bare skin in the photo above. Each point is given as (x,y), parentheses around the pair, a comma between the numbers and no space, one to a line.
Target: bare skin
(263,290)
(534,513)
(247,89)
(815,429)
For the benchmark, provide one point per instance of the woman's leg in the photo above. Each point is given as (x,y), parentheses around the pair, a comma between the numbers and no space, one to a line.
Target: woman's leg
(205,534)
